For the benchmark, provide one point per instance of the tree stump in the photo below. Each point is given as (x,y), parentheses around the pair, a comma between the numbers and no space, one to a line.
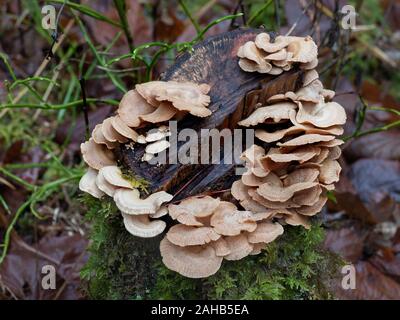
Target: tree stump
(123,266)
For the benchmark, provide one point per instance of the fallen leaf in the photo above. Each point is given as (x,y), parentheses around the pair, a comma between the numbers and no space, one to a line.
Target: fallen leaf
(371,284)
(21,271)
(348,242)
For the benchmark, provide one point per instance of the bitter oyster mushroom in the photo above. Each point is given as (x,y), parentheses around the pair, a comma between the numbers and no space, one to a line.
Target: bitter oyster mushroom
(213,227)
(292,165)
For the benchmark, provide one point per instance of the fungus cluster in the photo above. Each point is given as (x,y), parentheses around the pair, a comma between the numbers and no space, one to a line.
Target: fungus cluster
(295,160)
(150,103)
(210,230)
(288,171)
(264,56)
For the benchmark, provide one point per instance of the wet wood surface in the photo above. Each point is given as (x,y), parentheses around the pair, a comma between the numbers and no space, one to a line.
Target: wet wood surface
(233,96)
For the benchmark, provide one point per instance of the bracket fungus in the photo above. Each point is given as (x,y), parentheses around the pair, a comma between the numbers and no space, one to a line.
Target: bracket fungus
(190,261)
(291,166)
(142,226)
(129,202)
(88,184)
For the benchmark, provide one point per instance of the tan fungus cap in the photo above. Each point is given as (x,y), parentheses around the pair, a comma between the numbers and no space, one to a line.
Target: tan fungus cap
(88,184)
(129,202)
(182,235)
(265,232)
(142,226)
(239,247)
(229,221)
(194,207)
(191,262)
(132,106)
(95,155)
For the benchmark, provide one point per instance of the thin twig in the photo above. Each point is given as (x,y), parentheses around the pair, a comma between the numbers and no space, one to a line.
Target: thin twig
(41,67)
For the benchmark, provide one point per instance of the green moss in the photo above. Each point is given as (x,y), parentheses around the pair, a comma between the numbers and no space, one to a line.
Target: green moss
(126,267)
(293,267)
(118,266)
(136,182)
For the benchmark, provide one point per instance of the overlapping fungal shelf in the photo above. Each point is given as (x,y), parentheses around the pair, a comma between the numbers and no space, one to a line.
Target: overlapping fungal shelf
(289,170)
(294,163)
(150,103)
(210,230)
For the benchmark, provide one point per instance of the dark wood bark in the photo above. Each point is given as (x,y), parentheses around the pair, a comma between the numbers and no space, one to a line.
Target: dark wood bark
(233,96)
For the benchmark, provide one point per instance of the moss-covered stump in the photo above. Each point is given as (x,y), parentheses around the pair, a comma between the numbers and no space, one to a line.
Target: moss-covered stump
(127,267)
(122,266)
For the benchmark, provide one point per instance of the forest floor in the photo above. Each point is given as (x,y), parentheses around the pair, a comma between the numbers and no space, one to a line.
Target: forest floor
(49,80)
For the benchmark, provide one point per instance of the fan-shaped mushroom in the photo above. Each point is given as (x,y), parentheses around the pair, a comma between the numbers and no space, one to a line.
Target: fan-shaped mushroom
(142,226)
(95,155)
(306,139)
(129,202)
(239,190)
(123,129)
(221,247)
(274,190)
(110,133)
(307,197)
(229,221)
(157,147)
(184,96)
(314,209)
(88,184)
(277,112)
(191,262)
(301,154)
(277,56)
(321,115)
(99,138)
(251,66)
(239,247)
(182,235)
(113,176)
(297,220)
(194,207)
(304,49)
(104,185)
(132,106)
(164,112)
(265,232)
(252,156)
(250,51)
(263,42)
(330,171)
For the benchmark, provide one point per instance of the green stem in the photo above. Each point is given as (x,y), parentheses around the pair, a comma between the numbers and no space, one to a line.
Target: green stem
(58,106)
(4,204)
(17,179)
(373,130)
(258,13)
(98,57)
(121,8)
(26,204)
(87,11)
(8,66)
(29,79)
(189,15)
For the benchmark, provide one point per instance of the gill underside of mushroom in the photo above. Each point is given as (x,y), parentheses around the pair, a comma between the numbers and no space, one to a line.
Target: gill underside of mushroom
(233,94)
